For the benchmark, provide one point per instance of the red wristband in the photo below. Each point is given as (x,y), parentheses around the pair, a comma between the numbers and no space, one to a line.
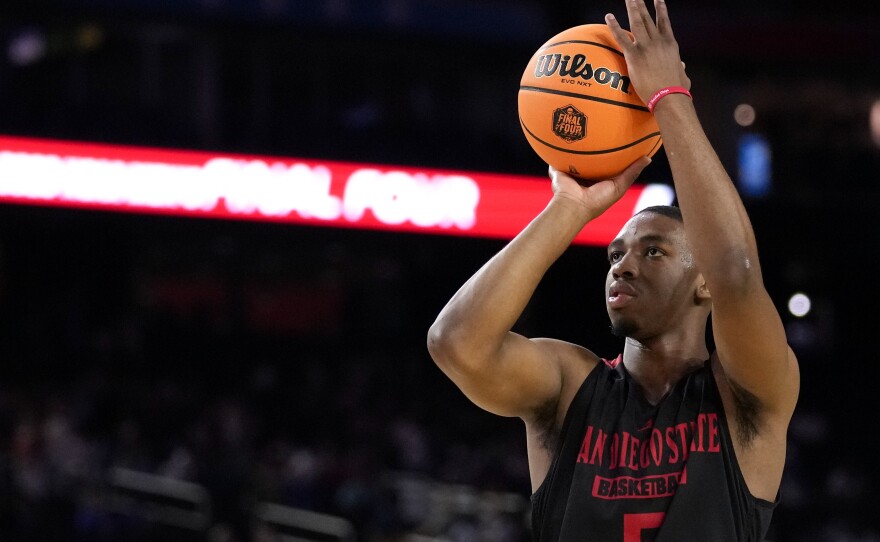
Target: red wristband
(663,92)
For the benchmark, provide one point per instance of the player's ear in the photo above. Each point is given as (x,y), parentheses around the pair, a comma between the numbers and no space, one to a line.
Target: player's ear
(702,292)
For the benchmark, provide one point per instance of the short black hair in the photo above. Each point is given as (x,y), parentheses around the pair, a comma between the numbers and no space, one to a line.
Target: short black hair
(666,210)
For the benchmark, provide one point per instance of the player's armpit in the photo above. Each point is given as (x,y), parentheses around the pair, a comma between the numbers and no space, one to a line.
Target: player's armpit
(753,350)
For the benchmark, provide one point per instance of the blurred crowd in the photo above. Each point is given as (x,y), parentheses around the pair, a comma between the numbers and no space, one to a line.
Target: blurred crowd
(335,440)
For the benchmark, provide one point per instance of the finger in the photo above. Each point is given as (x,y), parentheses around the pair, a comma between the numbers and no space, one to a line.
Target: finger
(621,36)
(663,24)
(632,172)
(554,173)
(640,23)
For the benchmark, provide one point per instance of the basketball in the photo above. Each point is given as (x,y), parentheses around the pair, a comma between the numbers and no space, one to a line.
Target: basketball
(578,109)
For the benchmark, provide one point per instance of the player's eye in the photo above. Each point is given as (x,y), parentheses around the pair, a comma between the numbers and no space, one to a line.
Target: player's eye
(614,256)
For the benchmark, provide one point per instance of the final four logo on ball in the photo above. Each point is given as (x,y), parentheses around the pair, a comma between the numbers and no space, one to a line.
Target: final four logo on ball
(569,123)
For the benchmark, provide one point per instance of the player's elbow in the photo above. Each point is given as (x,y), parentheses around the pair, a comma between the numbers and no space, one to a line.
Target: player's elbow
(448,347)
(442,342)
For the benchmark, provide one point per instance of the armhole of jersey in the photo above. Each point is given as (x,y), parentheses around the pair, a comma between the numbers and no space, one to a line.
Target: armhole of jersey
(731,451)
(539,499)
(566,422)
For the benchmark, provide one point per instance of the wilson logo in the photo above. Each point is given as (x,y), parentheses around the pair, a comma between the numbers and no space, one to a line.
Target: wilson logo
(577,67)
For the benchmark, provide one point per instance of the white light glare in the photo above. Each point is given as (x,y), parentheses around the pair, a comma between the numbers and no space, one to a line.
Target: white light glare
(744,115)
(874,121)
(27,48)
(799,305)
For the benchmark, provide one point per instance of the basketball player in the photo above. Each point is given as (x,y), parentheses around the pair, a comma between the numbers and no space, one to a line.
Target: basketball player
(668,441)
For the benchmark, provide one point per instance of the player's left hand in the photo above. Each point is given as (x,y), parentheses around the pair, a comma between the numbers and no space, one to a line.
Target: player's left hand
(652,56)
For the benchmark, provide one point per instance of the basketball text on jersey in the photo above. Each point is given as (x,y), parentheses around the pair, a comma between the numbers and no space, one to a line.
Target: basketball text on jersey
(657,447)
(577,66)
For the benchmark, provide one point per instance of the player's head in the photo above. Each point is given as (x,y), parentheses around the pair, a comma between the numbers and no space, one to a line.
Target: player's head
(653,286)
(666,210)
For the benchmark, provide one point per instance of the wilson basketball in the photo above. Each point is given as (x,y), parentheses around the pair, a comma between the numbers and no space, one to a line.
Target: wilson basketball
(578,109)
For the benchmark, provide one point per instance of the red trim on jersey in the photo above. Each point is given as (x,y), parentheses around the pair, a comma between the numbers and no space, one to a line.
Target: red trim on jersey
(613,363)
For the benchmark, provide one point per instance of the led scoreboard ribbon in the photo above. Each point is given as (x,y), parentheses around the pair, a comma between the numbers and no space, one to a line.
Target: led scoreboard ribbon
(289,190)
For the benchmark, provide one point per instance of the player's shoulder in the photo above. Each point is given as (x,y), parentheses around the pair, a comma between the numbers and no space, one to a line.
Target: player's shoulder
(574,361)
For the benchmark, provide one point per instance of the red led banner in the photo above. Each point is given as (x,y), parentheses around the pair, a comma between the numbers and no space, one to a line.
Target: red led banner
(288,190)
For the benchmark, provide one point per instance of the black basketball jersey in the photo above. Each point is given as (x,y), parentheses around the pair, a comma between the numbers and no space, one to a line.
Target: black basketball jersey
(628,471)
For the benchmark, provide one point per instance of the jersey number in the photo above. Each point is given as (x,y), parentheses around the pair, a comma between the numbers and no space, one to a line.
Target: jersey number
(635,524)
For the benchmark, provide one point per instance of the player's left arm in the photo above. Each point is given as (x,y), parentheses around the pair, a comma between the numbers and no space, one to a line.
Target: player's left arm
(748,330)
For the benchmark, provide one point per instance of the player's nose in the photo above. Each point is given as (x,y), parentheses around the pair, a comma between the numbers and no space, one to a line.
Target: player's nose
(625,266)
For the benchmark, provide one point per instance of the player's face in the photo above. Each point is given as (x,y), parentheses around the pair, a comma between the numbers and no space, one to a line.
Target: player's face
(651,277)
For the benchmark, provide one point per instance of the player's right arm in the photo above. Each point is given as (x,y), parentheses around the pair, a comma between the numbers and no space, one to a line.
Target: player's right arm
(471,340)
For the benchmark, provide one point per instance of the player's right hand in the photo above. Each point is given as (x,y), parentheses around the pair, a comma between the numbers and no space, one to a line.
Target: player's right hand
(596,197)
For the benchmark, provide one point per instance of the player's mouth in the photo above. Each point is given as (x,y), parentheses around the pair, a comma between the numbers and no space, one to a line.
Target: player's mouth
(619,294)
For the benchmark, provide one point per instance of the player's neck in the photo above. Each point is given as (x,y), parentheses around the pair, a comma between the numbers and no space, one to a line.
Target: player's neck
(658,367)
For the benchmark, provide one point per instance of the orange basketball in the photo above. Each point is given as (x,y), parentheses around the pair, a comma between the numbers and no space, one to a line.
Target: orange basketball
(578,109)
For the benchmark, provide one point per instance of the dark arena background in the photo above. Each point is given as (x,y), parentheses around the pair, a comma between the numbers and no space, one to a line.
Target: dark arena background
(175,377)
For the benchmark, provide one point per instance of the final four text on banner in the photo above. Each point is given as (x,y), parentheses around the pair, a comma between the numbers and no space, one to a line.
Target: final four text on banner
(289,190)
